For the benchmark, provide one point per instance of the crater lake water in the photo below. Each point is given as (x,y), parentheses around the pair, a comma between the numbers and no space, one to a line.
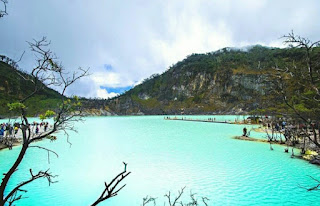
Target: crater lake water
(163,155)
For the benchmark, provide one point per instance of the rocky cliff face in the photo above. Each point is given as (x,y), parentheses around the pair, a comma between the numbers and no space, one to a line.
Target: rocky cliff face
(226,82)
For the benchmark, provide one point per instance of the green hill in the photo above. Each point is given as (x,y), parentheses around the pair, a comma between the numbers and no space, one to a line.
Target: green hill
(226,81)
(13,87)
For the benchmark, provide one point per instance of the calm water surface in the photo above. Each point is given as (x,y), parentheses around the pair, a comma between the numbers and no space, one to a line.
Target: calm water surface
(164,155)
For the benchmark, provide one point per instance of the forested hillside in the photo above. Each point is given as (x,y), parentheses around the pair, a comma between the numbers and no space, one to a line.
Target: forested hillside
(226,81)
(14,87)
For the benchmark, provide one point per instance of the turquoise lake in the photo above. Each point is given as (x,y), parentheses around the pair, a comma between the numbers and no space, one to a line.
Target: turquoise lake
(164,155)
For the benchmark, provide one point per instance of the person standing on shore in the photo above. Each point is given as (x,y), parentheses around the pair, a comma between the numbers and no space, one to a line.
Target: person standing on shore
(46,126)
(244,132)
(37,129)
(1,131)
(16,128)
(7,130)
(10,130)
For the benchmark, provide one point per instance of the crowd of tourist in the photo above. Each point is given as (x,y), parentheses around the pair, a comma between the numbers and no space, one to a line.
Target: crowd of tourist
(10,132)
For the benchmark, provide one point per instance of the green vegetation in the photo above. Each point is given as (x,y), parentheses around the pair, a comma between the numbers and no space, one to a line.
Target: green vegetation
(14,87)
(228,80)
(225,81)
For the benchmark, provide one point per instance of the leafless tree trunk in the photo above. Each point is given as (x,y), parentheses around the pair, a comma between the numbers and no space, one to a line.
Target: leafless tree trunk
(47,72)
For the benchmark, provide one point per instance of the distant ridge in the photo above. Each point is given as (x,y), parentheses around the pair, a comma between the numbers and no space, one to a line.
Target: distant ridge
(227,81)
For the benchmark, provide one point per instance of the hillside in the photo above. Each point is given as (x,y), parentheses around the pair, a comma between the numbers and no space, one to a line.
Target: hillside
(13,87)
(228,81)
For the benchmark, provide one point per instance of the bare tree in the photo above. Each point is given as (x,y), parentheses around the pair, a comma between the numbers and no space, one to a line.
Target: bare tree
(111,189)
(48,72)
(299,87)
(316,187)
(149,199)
(3,10)
(175,201)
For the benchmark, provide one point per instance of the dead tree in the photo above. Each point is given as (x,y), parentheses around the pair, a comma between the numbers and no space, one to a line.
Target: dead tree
(299,86)
(316,187)
(175,201)
(148,199)
(47,72)
(111,189)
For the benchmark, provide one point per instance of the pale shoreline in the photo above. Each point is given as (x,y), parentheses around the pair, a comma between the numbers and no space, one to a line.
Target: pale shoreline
(306,157)
(17,139)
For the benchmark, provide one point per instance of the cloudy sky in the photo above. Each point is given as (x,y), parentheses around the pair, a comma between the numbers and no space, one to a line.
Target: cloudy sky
(126,41)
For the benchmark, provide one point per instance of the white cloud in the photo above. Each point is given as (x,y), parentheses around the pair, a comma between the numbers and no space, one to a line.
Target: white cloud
(106,78)
(102,93)
(139,39)
(88,88)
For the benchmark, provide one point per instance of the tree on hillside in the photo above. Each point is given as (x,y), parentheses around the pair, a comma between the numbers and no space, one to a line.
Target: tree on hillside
(48,72)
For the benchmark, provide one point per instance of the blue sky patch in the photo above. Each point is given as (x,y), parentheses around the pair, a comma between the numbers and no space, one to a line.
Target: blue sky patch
(118,90)
(107,67)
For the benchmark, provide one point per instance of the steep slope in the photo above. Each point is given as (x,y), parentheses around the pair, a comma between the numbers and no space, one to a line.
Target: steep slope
(225,81)
(13,87)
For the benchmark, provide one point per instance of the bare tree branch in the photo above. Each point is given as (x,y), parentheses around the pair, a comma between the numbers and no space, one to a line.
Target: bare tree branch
(3,10)
(47,72)
(317,187)
(111,188)
(46,149)
(148,199)
(174,201)
(41,174)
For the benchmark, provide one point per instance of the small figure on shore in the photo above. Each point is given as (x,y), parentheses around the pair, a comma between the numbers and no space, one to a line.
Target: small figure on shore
(37,129)
(46,126)
(15,130)
(1,131)
(10,130)
(283,125)
(244,132)
(292,153)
